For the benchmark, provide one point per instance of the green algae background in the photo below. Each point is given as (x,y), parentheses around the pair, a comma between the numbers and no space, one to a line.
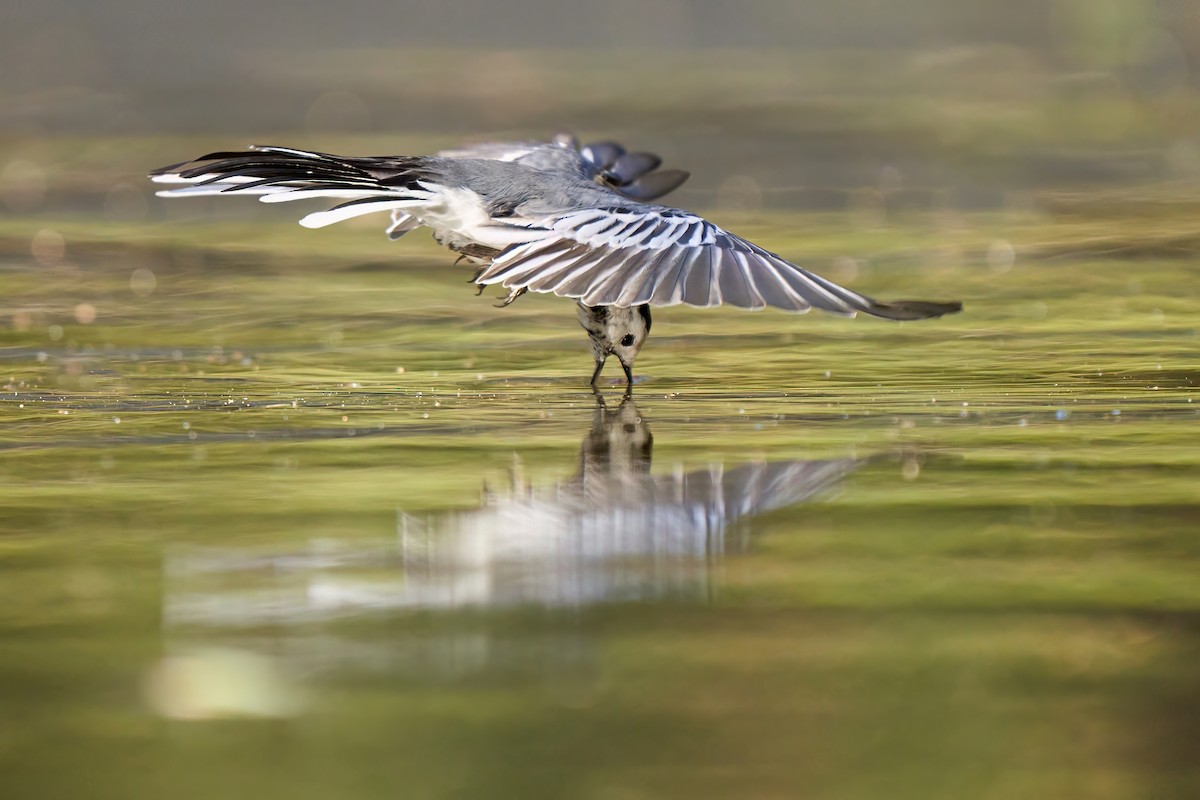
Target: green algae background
(249,472)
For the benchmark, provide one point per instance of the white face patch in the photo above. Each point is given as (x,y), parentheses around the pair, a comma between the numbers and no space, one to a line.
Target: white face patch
(615,330)
(626,332)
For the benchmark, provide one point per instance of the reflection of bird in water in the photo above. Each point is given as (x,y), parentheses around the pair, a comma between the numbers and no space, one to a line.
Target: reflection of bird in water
(549,218)
(613,531)
(619,443)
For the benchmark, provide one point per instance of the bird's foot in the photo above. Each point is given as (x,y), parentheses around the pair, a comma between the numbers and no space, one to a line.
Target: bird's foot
(512,295)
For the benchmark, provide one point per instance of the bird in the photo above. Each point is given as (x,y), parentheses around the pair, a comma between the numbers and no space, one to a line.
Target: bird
(548,217)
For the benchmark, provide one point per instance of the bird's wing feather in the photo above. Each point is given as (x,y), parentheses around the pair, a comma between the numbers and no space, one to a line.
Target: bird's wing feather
(284,174)
(664,256)
(402,223)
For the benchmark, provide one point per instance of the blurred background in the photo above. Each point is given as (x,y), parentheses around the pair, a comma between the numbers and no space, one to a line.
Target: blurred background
(290,513)
(933,103)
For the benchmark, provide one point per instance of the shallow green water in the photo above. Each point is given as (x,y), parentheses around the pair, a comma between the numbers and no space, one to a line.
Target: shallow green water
(313,522)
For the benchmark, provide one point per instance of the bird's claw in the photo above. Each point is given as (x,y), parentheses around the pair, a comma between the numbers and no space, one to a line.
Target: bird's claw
(513,295)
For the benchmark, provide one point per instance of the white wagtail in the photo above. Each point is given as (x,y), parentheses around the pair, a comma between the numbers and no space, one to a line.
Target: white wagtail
(548,217)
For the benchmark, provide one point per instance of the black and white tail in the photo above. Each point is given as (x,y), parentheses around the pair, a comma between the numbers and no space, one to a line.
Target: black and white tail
(282,174)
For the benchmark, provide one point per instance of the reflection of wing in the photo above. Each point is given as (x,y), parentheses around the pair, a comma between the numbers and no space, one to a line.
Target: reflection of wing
(612,532)
(633,175)
(597,537)
(723,497)
(601,539)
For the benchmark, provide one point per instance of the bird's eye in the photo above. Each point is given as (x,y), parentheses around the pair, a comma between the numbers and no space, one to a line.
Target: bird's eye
(627,341)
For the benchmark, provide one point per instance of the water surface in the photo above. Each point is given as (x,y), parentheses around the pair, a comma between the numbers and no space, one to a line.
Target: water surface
(300,515)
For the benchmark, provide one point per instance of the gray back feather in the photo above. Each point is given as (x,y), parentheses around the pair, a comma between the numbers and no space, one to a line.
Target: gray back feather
(517,189)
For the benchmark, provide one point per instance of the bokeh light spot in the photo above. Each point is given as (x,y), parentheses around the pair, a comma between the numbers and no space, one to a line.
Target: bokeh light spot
(739,193)
(1001,255)
(221,683)
(143,282)
(48,247)
(85,313)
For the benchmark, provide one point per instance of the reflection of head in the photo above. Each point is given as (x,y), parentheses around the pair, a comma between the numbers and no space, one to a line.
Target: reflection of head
(619,442)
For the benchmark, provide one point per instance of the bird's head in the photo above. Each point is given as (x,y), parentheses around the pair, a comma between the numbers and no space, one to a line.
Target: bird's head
(627,333)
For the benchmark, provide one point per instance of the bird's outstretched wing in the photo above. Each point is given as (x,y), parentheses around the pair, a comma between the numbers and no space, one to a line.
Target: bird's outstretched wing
(627,256)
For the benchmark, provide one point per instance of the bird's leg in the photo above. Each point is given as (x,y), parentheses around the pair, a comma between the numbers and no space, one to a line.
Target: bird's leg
(596,374)
(512,295)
